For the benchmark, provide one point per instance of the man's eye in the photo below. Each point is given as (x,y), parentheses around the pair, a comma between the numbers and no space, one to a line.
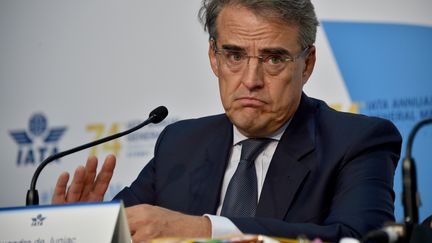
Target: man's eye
(234,56)
(275,59)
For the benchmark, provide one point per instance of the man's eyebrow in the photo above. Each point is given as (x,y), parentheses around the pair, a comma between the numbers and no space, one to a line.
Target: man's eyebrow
(278,51)
(232,48)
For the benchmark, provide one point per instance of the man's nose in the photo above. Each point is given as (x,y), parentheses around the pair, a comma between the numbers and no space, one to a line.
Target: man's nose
(253,77)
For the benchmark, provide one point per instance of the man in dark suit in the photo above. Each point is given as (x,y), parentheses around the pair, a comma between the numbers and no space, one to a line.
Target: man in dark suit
(318,172)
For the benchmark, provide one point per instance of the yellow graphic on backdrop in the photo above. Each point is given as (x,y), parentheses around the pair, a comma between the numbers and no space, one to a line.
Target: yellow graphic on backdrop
(100,131)
(351,108)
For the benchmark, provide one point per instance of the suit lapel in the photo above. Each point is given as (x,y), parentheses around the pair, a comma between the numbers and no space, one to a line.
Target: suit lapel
(207,176)
(287,172)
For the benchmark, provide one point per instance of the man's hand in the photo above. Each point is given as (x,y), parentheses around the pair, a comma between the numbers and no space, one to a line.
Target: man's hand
(85,186)
(147,222)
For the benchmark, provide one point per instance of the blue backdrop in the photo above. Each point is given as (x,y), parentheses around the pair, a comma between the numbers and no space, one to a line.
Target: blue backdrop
(387,70)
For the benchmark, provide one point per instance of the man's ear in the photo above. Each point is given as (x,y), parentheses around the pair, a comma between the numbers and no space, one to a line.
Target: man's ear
(309,64)
(212,57)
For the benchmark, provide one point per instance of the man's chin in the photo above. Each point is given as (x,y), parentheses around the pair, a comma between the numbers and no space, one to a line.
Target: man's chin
(252,124)
(245,116)
(251,112)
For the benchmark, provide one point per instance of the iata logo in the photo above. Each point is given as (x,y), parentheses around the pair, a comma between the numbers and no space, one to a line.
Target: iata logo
(38,142)
(38,220)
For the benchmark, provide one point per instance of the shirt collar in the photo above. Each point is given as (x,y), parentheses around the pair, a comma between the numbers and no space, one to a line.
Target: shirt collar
(238,137)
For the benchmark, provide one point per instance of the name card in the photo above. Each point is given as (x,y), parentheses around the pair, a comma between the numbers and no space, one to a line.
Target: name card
(68,223)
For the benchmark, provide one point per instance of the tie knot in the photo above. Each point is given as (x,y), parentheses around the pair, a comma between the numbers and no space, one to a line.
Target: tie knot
(252,147)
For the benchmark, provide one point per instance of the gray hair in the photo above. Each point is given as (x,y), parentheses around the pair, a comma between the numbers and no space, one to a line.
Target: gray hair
(297,12)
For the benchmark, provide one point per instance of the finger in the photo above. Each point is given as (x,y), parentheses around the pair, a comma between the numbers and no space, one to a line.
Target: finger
(90,174)
(103,179)
(139,237)
(142,228)
(60,189)
(75,190)
(132,211)
(130,219)
(137,216)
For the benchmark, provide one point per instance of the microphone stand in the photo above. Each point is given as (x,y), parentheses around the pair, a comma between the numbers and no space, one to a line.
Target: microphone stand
(410,231)
(156,116)
(411,197)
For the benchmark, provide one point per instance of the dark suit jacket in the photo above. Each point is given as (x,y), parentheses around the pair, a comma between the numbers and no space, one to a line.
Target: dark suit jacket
(330,176)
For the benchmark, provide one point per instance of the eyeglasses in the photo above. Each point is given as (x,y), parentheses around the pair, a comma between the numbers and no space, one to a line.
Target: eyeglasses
(273,63)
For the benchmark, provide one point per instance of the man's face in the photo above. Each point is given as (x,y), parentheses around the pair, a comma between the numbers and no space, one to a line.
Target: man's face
(258,102)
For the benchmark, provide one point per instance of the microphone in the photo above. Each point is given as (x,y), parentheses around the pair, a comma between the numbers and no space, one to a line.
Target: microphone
(156,116)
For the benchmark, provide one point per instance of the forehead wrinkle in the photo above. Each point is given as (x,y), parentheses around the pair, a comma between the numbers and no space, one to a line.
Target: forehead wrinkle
(250,33)
(238,26)
(265,39)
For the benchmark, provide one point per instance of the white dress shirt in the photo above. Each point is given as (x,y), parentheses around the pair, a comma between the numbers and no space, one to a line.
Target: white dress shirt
(222,226)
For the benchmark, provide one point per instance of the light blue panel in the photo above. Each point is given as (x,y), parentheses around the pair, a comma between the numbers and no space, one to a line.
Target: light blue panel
(387,68)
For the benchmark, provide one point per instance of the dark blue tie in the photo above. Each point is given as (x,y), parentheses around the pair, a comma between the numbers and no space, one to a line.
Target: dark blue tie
(241,197)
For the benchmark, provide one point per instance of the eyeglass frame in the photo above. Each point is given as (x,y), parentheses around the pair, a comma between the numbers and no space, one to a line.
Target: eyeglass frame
(262,58)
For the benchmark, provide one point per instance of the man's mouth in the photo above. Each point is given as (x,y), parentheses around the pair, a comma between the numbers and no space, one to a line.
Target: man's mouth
(250,101)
